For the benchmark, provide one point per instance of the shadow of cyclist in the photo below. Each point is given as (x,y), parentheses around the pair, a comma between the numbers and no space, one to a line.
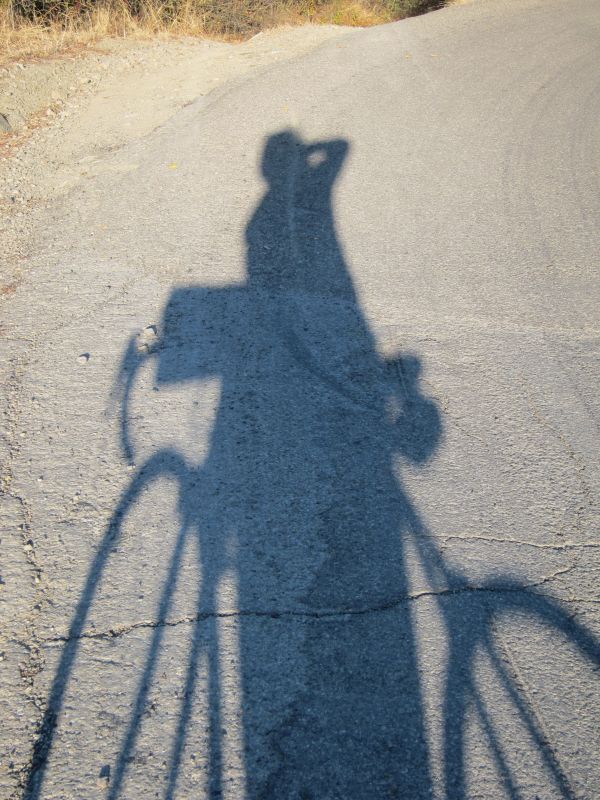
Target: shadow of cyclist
(301,460)
(299,486)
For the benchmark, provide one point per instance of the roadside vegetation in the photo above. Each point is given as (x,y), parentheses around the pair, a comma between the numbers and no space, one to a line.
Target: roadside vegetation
(42,28)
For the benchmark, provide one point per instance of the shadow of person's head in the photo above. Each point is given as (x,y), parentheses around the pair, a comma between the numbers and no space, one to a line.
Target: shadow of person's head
(287,157)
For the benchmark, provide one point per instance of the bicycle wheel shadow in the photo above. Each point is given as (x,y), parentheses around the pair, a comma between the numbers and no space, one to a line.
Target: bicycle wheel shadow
(473,616)
(499,600)
(299,499)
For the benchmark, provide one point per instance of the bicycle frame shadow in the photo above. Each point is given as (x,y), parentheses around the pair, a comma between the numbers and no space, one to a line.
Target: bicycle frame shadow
(299,483)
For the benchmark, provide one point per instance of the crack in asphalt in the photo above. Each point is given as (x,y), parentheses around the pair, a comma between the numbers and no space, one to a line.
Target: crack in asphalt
(561,546)
(340,614)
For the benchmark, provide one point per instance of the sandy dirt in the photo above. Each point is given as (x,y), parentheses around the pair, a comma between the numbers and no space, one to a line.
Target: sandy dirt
(69,115)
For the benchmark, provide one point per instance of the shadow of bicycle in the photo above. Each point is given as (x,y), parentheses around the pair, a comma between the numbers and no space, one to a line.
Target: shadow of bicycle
(298,500)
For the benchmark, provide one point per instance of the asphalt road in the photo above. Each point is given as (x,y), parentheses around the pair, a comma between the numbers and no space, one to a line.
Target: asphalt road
(302,433)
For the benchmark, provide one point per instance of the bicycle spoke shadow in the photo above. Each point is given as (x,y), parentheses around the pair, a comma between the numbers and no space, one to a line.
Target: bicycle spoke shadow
(299,498)
(472,629)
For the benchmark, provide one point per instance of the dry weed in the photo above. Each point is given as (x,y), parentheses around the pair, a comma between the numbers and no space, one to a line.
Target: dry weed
(46,28)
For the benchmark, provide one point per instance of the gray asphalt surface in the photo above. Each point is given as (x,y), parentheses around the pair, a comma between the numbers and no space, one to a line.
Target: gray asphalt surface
(302,433)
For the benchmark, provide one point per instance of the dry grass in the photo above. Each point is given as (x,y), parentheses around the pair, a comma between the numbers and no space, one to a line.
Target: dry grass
(32,29)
